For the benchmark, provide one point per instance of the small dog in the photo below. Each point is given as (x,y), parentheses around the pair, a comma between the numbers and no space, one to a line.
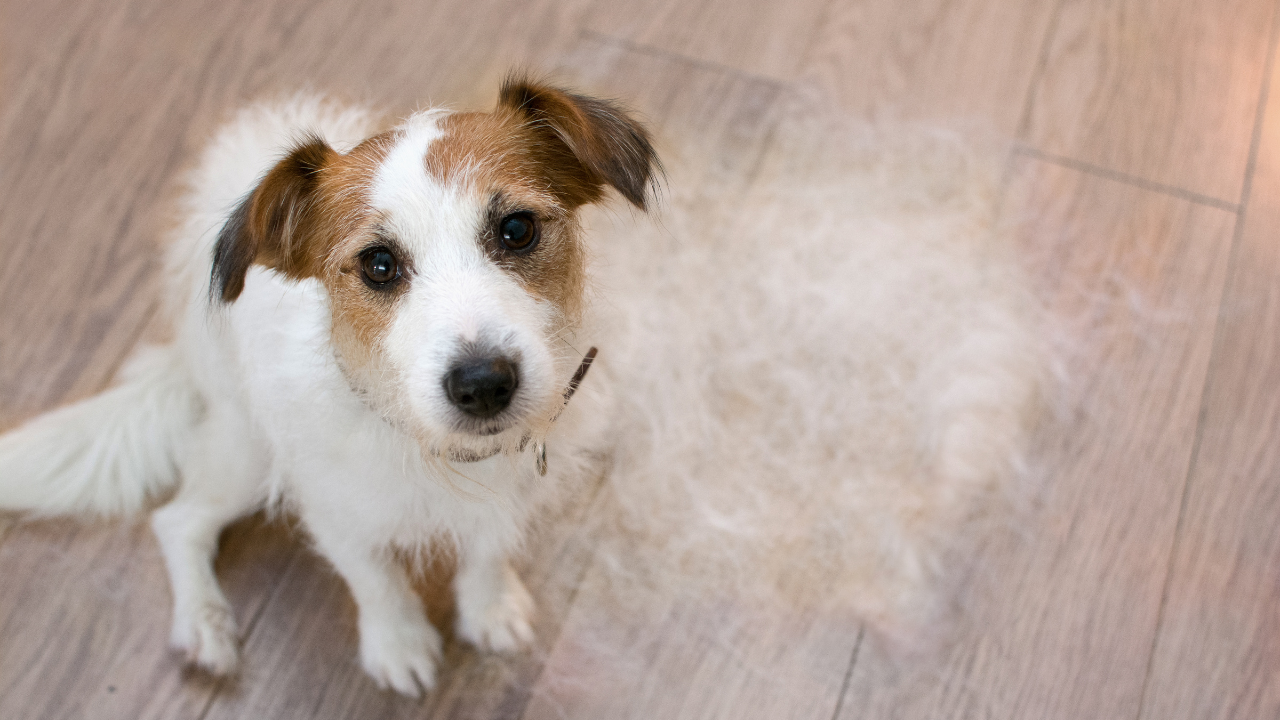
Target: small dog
(379,332)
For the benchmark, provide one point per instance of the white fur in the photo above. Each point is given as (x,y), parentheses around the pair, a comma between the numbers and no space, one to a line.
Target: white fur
(251,407)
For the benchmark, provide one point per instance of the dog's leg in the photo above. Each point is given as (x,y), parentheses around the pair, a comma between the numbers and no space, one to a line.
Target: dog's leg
(494,608)
(222,482)
(398,647)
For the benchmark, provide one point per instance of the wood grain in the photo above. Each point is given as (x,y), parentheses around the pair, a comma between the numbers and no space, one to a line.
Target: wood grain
(84,633)
(692,660)
(1219,646)
(81,280)
(1064,627)
(1164,90)
(930,59)
(758,37)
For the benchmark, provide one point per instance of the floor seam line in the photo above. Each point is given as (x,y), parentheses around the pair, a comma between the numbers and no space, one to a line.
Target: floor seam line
(1127,179)
(848,674)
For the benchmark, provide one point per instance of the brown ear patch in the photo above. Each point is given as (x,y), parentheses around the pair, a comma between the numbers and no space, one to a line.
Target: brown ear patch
(584,143)
(275,223)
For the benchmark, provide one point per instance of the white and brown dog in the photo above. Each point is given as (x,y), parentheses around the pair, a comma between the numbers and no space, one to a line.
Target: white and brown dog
(384,345)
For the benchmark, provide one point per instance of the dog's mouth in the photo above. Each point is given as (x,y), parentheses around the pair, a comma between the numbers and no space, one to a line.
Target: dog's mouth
(483,429)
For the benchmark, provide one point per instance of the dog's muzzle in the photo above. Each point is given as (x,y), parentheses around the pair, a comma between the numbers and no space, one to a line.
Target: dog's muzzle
(540,448)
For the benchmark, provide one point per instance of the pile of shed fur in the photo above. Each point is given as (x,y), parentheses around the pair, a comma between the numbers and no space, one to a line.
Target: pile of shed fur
(825,373)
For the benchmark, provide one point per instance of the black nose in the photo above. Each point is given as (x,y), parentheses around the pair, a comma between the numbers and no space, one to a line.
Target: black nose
(482,387)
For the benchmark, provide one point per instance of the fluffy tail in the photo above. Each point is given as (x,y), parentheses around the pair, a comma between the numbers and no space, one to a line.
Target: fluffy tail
(108,454)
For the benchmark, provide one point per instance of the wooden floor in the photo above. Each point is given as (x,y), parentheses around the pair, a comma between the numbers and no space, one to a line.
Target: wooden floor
(1146,585)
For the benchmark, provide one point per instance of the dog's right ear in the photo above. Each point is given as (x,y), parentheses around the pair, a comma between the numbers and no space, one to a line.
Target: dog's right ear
(273,224)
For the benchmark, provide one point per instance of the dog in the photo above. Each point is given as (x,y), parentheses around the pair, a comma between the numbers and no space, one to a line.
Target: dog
(379,331)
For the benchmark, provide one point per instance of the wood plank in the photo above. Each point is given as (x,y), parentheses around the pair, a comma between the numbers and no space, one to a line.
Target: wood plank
(694,660)
(1062,622)
(686,658)
(1219,644)
(969,59)
(301,659)
(83,169)
(84,619)
(758,37)
(395,55)
(1165,90)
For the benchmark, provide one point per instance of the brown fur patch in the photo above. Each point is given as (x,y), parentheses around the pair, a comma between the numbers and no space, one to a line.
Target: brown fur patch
(499,160)
(361,316)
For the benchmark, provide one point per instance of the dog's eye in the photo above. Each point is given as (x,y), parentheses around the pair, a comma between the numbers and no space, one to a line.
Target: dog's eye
(518,232)
(379,266)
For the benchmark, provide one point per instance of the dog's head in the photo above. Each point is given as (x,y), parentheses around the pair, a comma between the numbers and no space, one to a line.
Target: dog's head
(450,250)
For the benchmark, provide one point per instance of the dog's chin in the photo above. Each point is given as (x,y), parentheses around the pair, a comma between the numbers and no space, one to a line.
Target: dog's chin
(477,441)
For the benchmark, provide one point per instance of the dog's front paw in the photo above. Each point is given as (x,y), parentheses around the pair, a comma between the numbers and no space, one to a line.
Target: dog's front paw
(400,655)
(499,623)
(207,636)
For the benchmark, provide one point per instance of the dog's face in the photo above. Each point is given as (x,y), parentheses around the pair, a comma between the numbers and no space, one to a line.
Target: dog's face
(451,253)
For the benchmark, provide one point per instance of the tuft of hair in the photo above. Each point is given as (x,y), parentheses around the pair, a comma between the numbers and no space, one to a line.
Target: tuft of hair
(599,138)
(109,454)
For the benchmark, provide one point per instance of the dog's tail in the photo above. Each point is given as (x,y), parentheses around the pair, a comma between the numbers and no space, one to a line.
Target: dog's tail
(108,454)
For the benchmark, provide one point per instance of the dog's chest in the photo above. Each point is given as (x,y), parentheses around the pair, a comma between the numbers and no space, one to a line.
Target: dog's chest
(339,459)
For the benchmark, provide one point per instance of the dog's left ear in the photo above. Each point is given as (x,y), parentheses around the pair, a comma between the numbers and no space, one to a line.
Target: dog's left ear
(587,143)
